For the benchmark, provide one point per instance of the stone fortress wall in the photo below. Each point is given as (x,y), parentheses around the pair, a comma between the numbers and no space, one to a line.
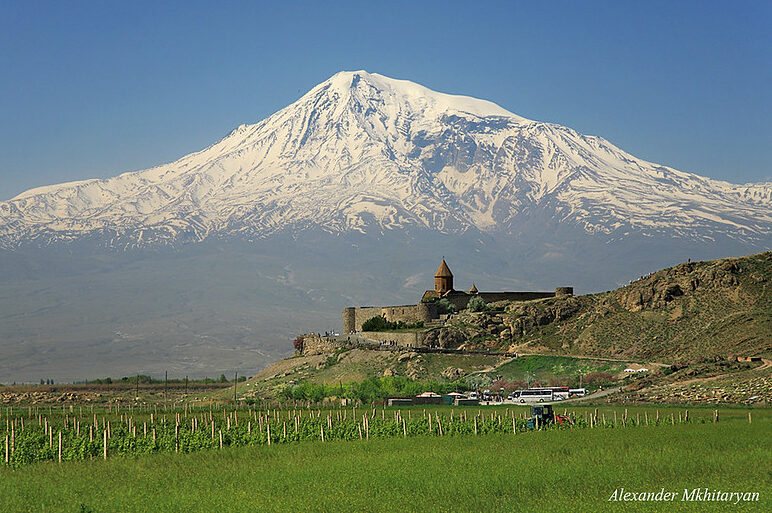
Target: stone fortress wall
(461,300)
(428,310)
(354,317)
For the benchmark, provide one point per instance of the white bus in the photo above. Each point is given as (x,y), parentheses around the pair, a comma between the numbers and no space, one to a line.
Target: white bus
(536,395)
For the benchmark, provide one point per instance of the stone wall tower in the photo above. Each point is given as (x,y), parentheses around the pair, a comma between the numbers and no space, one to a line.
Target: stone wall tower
(349,320)
(443,279)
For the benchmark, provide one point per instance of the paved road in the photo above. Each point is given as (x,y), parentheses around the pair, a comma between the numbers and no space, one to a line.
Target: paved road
(595,395)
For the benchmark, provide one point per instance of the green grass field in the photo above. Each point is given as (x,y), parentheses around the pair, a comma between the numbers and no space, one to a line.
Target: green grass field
(544,367)
(555,470)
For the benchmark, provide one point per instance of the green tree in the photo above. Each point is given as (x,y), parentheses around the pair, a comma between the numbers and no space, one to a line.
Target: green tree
(446,306)
(377,323)
(477,304)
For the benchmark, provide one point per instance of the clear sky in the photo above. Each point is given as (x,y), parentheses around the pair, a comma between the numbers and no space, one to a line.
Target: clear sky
(93,89)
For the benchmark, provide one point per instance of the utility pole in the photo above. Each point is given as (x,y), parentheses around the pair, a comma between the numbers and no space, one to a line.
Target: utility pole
(186,386)
(137,391)
(166,379)
(235,381)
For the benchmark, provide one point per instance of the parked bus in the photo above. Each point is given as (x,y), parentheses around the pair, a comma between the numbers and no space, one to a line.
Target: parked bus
(560,393)
(536,395)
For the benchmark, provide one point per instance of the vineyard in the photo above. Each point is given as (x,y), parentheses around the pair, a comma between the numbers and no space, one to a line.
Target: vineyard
(440,466)
(72,433)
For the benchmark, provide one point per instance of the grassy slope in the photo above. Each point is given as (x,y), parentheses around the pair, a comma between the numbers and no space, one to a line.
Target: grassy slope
(359,364)
(544,367)
(548,471)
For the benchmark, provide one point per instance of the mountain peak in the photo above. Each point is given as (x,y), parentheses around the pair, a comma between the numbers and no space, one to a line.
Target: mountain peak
(362,151)
(395,91)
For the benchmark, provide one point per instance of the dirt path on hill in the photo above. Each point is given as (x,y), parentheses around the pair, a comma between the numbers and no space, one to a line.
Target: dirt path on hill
(492,367)
(595,395)
(508,360)
(601,358)
(765,364)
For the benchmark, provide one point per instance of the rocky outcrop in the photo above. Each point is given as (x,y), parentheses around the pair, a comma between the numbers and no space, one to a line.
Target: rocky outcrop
(453,373)
(715,308)
(445,338)
(662,287)
(524,317)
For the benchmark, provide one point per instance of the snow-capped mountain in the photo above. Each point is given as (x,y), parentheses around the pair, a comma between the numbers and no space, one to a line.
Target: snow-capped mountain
(362,151)
(348,196)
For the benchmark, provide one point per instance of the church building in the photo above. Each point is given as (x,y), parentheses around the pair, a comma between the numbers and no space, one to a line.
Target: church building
(428,310)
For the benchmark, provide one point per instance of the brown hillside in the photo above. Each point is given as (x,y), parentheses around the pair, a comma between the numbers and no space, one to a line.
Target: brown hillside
(693,310)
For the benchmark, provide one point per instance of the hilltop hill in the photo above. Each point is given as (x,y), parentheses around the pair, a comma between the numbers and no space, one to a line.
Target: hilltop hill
(716,308)
(686,323)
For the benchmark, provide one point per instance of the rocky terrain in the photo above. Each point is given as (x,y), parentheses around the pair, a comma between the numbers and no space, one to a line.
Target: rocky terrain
(717,308)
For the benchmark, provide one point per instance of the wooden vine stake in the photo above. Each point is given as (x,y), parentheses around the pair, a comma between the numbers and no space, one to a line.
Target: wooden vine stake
(104,452)
(60,446)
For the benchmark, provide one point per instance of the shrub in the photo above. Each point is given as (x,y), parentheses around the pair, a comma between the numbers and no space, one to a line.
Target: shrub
(507,386)
(298,343)
(446,306)
(477,304)
(597,378)
(379,323)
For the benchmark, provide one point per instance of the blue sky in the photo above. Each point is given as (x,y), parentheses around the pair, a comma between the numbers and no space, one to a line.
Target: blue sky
(93,89)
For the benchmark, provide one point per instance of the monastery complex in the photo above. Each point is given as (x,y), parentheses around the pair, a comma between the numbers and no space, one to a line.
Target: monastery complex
(429,308)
